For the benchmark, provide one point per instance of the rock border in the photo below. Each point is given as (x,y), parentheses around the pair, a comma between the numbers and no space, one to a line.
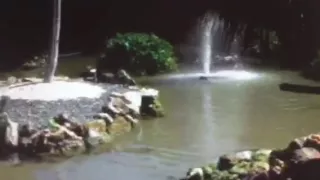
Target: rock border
(300,160)
(107,131)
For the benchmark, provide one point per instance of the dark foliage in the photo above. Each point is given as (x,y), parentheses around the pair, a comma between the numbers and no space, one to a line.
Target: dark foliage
(139,53)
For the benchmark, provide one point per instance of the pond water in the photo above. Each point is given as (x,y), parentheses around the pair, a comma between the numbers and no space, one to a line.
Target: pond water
(204,120)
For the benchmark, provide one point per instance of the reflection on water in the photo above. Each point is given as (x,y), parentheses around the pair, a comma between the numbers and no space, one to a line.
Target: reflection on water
(203,121)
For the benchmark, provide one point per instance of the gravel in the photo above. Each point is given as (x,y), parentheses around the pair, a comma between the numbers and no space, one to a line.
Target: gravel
(38,112)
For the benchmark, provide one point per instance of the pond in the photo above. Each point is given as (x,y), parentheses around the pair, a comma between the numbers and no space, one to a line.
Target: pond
(204,119)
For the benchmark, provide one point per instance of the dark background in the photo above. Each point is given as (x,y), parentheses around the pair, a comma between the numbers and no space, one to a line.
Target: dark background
(26,24)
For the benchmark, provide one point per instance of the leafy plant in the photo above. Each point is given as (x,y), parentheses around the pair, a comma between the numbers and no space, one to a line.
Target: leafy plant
(139,53)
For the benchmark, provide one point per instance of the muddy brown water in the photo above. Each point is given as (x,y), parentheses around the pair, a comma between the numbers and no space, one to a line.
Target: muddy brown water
(204,120)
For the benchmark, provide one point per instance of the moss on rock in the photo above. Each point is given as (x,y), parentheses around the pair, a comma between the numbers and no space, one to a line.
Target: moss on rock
(158,108)
(300,160)
(236,167)
(151,107)
(119,126)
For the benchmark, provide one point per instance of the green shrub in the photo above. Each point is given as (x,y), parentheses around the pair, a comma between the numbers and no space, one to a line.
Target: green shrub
(139,53)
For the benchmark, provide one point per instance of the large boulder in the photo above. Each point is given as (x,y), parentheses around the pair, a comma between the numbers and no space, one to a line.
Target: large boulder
(305,164)
(150,105)
(146,101)
(136,99)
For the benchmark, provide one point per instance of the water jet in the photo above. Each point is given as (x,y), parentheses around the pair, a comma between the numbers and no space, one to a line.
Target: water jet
(206,45)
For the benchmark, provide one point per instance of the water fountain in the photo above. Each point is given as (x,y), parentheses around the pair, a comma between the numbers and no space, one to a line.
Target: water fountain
(210,41)
(208,38)
(206,45)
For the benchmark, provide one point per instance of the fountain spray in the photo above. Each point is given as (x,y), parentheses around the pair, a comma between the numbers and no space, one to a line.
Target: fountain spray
(206,43)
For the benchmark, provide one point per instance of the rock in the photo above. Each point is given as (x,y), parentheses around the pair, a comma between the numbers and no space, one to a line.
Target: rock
(297,143)
(95,138)
(244,155)
(136,99)
(260,166)
(313,141)
(241,168)
(246,168)
(261,155)
(280,154)
(195,174)
(244,165)
(299,161)
(12,80)
(304,164)
(149,92)
(308,170)
(124,78)
(119,126)
(305,154)
(97,125)
(94,131)
(121,77)
(151,107)
(90,74)
(203,77)
(106,78)
(104,116)
(226,162)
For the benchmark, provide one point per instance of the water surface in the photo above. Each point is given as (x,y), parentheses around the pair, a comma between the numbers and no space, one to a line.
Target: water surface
(204,120)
